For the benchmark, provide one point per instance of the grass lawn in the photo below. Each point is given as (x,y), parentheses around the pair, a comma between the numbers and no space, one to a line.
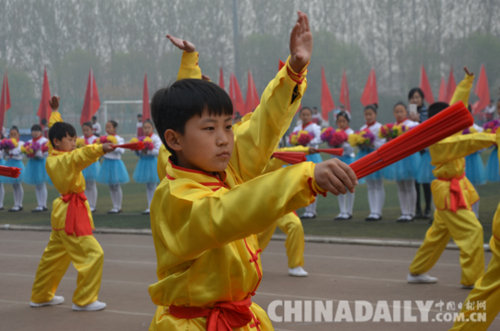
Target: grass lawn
(134,202)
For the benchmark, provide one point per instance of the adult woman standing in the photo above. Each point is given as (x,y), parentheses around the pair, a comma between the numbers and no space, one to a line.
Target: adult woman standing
(424,176)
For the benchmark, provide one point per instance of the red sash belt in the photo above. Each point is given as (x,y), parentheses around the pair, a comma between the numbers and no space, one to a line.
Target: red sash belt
(224,316)
(456,195)
(77,217)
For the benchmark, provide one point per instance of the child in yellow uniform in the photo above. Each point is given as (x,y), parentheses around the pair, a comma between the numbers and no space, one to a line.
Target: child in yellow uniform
(453,196)
(204,216)
(71,239)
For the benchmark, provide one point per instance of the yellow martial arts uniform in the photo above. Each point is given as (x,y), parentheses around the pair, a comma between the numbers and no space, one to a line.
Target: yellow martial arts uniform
(204,227)
(65,171)
(290,224)
(453,196)
(485,297)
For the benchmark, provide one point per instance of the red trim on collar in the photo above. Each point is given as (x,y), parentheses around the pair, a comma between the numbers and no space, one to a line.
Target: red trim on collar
(305,125)
(368,124)
(36,139)
(399,122)
(198,172)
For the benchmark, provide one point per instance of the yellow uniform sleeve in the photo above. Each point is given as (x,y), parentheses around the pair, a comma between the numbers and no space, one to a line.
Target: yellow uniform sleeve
(162,162)
(462,91)
(191,218)
(257,137)
(459,146)
(55,117)
(189,66)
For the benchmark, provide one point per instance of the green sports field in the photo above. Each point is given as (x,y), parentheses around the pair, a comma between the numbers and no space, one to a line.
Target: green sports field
(134,202)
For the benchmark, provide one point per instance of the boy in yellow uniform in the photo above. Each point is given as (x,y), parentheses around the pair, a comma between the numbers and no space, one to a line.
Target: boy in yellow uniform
(453,196)
(207,210)
(71,239)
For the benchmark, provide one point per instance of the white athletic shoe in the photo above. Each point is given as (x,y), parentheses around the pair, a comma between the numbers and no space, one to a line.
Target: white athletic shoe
(297,272)
(94,306)
(487,248)
(421,279)
(146,212)
(56,300)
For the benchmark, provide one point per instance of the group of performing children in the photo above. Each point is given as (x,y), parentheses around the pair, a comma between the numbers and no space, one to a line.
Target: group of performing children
(222,194)
(111,171)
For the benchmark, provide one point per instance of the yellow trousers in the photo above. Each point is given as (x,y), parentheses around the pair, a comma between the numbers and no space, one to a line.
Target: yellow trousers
(467,233)
(290,225)
(486,288)
(87,257)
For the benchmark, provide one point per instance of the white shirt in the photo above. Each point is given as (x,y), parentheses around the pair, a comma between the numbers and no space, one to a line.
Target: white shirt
(489,109)
(375,128)
(90,140)
(96,127)
(16,153)
(117,153)
(39,153)
(348,150)
(409,123)
(478,128)
(313,128)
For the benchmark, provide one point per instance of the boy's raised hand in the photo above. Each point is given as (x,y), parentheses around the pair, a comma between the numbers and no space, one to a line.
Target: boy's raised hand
(107,148)
(301,43)
(183,45)
(334,176)
(54,102)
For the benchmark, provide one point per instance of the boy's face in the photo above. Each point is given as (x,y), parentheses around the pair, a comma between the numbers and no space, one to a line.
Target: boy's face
(36,134)
(206,145)
(139,119)
(305,115)
(66,144)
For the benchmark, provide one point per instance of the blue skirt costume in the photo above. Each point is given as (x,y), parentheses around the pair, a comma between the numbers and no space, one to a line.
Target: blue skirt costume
(35,172)
(344,158)
(375,175)
(407,168)
(474,169)
(425,175)
(146,170)
(492,171)
(113,172)
(2,163)
(91,173)
(17,164)
(316,158)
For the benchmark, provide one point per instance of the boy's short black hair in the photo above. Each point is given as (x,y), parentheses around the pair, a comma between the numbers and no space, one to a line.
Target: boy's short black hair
(436,108)
(36,127)
(60,130)
(173,106)
(139,115)
(94,117)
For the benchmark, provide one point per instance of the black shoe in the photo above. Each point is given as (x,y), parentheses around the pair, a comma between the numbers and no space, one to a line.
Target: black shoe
(340,218)
(427,215)
(402,219)
(418,215)
(350,217)
(1,208)
(114,211)
(15,209)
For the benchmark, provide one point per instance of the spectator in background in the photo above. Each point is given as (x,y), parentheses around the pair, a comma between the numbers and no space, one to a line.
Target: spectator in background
(140,132)
(487,113)
(317,118)
(96,127)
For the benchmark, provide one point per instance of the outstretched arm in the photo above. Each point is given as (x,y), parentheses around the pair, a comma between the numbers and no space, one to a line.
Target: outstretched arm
(189,63)
(462,91)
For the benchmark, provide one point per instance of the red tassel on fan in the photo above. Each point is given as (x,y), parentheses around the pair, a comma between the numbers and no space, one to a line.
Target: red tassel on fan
(10,172)
(332,151)
(449,121)
(138,146)
(290,157)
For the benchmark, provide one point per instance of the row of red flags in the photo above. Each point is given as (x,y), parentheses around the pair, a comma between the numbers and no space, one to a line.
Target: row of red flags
(370,94)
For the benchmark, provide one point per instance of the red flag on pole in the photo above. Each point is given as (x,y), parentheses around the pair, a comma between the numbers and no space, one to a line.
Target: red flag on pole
(236,95)
(344,93)
(44,109)
(252,100)
(327,104)
(281,65)
(425,86)
(370,94)
(146,113)
(91,103)
(482,90)
(4,100)
(442,90)
(221,79)
(452,85)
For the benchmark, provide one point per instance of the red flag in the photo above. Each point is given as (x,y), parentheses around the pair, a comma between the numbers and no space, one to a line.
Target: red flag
(91,103)
(442,90)
(281,65)
(482,90)
(146,113)
(221,79)
(236,96)
(450,89)
(344,93)
(327,104)
(252,100)
(370,94)
(44,109)
(4,99)
(425,86)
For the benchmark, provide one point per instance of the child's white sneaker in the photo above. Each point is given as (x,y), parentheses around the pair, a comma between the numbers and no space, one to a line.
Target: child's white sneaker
(297,272)
(94,306)
(421,279)
(56,300)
